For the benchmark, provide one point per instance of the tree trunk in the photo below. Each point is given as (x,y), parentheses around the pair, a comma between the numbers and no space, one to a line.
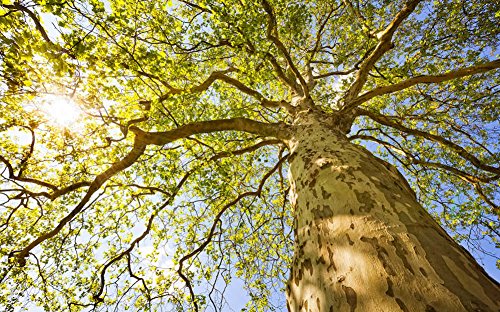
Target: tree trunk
(362,241)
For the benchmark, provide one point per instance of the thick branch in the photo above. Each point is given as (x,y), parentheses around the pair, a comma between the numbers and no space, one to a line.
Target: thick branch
(281,74)
(235,124)
(455,74)
(412,159)
(12,176)
(56,193)
(142,139)
(385,120)
(335,73)
(384,45)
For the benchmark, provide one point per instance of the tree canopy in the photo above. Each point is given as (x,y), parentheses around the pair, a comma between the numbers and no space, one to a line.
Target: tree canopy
(166,177)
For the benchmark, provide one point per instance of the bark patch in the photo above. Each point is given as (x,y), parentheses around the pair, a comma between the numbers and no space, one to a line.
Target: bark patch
(364,198)
(325,194)
(313,177)
(322,212)
(431,238)
(382,254)
(308,266)
(330,258)
(349,239)
(352,299)
(389,291)
(298,277)
(401,252)
(423,272)
(402,305)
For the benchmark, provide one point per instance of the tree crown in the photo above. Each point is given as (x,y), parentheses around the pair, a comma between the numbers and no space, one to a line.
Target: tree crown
(169,178)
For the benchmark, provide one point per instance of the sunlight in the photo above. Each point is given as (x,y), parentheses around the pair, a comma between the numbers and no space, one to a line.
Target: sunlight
(60,110)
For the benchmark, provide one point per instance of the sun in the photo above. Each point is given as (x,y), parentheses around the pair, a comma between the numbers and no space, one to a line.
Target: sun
(60,110)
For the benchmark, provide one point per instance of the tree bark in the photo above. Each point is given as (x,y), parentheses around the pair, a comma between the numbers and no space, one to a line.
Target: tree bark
(364,243)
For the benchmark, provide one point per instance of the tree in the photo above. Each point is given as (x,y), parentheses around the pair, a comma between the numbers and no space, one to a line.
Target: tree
(167,182)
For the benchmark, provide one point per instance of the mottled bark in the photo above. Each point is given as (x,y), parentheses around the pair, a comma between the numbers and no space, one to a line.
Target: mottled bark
(362,241)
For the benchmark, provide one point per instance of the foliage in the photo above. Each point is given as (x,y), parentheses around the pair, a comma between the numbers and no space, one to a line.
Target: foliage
(123,224)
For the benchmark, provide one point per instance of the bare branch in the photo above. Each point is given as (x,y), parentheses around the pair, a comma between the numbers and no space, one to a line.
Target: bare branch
(455,74)
(319,33)
(193,5)
(335,73)
(385,120)
(347,72)
(475,181)
(412,159)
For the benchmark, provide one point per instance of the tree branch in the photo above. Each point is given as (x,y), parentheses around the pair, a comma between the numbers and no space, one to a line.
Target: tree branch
(281,74)
(214,76)
(216,221)
(14,177)
(18,7)
(455,74)
(248,149)
(272,34)
(385,120)
(360,17)
(127,161)
(346,72)
(384,45)
(193,5)
(319,33)
(142,139)
(277,130)
(97,295)
(56,193)
(335,73)
(413,160)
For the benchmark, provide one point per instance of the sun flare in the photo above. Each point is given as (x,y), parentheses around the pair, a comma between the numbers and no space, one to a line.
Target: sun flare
(60,110)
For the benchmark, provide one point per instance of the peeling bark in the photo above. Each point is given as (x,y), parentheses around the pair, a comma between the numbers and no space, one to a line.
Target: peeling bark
(362,241)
